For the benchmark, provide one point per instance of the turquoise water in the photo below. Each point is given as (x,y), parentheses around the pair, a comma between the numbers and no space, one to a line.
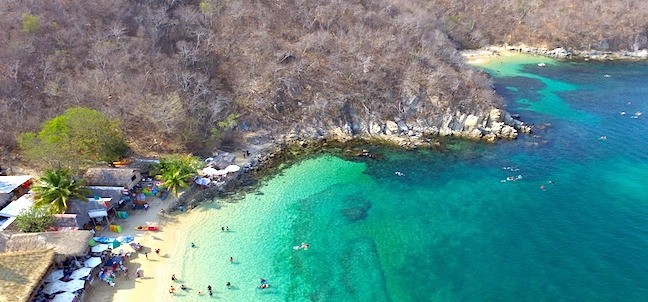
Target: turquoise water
(451,228)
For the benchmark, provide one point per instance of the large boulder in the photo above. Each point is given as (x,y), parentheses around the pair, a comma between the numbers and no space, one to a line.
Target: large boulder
(391,128)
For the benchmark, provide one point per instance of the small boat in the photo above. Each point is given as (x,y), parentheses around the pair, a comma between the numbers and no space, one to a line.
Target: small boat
(542,64)
(147,228)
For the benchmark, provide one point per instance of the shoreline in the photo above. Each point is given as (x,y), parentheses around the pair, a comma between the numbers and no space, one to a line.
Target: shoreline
(475,55)
(264,162)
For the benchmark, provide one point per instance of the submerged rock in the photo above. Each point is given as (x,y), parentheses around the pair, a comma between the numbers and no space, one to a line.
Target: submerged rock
(358,210)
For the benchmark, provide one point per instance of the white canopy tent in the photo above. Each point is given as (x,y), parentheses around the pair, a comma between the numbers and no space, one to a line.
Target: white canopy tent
(54,287)
(232,168)
(64,297)
(92,262)
(54,275)
(80,273)
(209,171)
(99,248)
(73,285)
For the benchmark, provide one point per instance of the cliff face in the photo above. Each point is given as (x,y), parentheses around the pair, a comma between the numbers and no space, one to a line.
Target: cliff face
(489,126)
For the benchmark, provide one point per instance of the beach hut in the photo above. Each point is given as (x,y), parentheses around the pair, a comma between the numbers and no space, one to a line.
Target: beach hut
(22,273)
(13,186)
(66,244)
(113,177)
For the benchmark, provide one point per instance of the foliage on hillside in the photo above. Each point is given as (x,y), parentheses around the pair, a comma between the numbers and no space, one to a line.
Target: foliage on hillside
(174,70)
(77,136)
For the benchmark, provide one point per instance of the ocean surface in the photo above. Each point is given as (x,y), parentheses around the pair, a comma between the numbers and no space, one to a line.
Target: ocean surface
(572,226)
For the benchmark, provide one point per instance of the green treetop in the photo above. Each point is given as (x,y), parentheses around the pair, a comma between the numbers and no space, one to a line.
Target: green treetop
(56,188)
(78,135)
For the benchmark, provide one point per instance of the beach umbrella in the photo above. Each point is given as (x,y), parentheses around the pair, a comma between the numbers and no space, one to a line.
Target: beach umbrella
(203,181)
(221,172)
(126,248)
(115,244)
(54,287)
(99,248)
(73,285)
(64,297)
(80,273)
(54,275)
(209,171)
(232,168)
(92,262)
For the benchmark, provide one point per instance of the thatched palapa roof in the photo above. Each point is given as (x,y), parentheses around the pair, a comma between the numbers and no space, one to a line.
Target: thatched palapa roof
(115,177)
(65,243)
(21,273)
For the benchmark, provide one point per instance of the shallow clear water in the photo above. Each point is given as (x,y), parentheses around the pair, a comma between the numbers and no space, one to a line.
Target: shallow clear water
(449,228)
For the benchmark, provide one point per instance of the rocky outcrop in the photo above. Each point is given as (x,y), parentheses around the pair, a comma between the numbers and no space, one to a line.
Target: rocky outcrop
(490,126)
(639,54)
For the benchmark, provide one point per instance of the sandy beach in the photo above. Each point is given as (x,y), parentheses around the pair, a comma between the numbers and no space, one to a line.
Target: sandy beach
(155,267)
(158,269)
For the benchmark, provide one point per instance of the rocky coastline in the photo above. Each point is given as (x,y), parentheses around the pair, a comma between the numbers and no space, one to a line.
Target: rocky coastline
(562,53)
(281,152)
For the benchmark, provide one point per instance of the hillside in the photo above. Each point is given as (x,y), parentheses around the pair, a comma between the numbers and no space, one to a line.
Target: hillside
(172,69)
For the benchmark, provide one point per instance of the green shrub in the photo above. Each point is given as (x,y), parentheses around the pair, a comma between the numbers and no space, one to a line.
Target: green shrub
(34,220)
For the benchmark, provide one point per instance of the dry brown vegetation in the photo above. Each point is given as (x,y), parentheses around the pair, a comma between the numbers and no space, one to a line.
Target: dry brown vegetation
(172,69)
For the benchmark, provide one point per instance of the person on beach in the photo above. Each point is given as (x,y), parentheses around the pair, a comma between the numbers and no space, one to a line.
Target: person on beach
(228,284)
(183,287)
(171,290)
(223,229)
(231,259)
(209,287)
(263,286)
(146,255)
(193,245)
(138,273)
(227,229)
(173,278)
(157,251)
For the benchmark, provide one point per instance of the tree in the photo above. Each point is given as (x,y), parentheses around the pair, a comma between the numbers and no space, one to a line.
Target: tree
(30,23)
(34,220)
(56,188)
(176,170)
(79,134)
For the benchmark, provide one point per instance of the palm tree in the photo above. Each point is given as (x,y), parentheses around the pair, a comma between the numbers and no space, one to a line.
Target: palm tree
(174,179)
(56,188)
